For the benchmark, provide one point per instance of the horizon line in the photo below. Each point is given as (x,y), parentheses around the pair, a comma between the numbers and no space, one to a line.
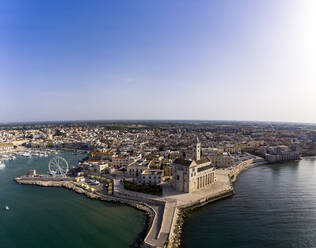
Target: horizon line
(148,120)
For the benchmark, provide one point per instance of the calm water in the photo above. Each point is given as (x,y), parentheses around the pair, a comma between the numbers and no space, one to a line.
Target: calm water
(56,217)
(274,206)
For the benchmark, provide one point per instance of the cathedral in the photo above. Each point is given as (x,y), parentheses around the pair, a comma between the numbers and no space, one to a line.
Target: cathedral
(192,175)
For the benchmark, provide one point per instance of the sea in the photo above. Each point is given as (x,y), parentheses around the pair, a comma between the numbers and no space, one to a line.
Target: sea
(274,206)
(48,217)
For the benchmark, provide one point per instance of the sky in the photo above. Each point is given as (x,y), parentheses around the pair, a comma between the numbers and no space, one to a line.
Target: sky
(175,59)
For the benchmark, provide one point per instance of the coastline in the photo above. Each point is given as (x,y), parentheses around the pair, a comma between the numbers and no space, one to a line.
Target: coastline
(164,215)
(141,206)
(182,213)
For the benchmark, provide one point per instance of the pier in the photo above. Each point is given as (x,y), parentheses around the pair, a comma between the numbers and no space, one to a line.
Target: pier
(163,211)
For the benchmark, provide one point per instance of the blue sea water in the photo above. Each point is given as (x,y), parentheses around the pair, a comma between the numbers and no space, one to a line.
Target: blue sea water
(57,217)
(274,206)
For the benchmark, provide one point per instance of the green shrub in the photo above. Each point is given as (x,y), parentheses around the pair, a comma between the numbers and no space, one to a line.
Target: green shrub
(147,189)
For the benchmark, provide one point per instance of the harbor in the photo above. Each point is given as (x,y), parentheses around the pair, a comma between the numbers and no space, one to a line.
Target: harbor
(164,212)
(52,209)
(163,184)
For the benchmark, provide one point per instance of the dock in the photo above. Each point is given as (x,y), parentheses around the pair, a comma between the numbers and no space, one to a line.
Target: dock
(164,211)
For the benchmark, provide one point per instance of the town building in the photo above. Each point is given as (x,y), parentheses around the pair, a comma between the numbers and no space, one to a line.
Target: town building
(136,169)
(118,161)
(280,153)
(6,147)
(223,160)
(151,177)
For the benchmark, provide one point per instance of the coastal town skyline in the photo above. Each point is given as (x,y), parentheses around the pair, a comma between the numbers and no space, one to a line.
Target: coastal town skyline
(162,168)
(158,124)
(68,60)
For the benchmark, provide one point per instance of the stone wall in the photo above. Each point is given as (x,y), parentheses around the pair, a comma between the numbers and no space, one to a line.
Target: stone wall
(239,168)
(178,219)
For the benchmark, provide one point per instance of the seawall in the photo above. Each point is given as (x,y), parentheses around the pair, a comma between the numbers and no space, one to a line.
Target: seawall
(182,210)
(165,215)
(142,206)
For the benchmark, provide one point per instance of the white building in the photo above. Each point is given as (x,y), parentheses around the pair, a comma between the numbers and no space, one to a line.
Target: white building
(223,160)
(281,153)
(151,177)
(101,167)
(192,175)
(137,169)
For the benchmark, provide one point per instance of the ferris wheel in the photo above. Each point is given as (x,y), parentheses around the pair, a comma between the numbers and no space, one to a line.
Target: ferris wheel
(58,166)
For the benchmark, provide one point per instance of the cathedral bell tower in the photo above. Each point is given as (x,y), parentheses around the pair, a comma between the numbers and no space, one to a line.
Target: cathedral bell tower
(197,150)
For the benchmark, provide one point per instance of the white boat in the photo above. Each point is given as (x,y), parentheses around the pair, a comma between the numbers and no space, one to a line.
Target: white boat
(95,182)
(2,165)
(26,154)
(6,208)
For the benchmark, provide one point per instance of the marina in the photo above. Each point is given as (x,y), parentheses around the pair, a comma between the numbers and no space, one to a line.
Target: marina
(157,124)
(43,210)
(164,211)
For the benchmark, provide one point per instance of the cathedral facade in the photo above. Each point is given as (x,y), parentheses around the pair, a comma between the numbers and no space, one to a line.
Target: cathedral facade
(192,175)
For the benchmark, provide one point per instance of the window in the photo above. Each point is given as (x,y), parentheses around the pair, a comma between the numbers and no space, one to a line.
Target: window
(178,178)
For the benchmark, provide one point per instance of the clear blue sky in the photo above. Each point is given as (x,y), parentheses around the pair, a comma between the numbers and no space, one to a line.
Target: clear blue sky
(150,59)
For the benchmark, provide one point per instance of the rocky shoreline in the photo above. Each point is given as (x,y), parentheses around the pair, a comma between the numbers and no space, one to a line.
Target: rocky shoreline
(180,212)
(71,186)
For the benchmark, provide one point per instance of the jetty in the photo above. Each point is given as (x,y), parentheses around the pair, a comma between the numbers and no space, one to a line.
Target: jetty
(164,212)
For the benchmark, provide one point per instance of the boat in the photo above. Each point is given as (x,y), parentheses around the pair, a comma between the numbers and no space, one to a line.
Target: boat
(27,154)
(6,208)
(2,165)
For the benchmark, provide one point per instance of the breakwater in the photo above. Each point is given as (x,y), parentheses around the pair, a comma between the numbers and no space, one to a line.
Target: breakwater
(184,209)
(181,212)
(164,214)
(142,206)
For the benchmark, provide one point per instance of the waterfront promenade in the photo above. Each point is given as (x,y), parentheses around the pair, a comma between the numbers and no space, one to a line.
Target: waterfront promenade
(164,211)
